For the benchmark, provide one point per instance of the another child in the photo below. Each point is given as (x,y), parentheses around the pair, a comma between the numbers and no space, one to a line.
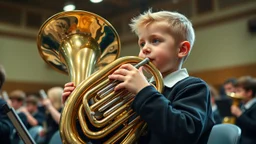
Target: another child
(182,113)
(246,116)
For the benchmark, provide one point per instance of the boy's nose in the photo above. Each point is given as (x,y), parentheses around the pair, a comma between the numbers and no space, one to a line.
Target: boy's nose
(146,50)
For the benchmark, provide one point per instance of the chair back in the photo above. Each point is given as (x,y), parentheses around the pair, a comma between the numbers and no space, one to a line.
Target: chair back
(225,134)
(56,139)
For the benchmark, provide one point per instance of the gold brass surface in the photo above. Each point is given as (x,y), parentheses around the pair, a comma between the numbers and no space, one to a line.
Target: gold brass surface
(85,46)
(78,43)
(236,100)
(78,106)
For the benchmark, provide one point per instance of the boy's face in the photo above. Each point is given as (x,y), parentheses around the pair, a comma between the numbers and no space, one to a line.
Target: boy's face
(159,46)
(229,88)
(247,95)
(31,107)
(16,103)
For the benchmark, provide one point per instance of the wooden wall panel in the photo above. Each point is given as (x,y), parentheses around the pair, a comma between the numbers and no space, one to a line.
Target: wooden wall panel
(216,77)
(28,87)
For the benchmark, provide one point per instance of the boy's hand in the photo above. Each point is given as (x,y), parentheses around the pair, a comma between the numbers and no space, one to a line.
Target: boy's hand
(236,111)
(131,78)
(68,89)
(24,110)
(46,102)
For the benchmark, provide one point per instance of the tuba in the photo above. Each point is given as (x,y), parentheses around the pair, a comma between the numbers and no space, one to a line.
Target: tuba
(86,47)
(236,100)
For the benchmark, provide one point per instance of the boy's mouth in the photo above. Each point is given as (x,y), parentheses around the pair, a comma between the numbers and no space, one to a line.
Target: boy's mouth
(150,59)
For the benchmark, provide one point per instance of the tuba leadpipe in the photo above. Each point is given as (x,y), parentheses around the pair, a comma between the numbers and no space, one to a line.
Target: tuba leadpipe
(86,47)
(112,85)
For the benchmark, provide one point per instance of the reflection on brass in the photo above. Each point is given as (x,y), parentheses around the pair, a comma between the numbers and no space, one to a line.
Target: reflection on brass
(236,100)
(75,41)
(86,46)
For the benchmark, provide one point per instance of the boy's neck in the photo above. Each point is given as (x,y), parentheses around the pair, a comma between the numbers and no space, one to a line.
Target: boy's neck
(164,74)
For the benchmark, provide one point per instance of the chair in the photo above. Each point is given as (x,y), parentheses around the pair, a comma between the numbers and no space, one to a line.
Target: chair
(56,138)
(225,134)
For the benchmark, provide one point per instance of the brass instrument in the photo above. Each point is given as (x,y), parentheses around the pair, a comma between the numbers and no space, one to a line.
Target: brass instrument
(236,100)
(80,43)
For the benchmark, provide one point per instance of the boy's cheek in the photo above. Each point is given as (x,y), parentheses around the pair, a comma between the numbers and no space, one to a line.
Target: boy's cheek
(141,55)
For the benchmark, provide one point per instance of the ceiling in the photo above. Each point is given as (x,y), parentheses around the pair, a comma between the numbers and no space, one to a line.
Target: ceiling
(107,8)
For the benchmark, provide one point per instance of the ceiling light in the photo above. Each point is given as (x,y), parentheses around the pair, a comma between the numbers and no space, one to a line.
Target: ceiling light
(96,1)
(69,6)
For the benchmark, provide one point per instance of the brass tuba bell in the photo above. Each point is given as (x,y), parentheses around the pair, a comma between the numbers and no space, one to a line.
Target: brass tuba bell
(236,100)
(85,46)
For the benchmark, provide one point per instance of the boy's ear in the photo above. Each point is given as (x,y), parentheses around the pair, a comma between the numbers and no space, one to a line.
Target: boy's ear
(184,49)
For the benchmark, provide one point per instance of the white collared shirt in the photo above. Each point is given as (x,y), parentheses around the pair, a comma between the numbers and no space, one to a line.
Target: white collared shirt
(250,103)
(171,79)
(214,108)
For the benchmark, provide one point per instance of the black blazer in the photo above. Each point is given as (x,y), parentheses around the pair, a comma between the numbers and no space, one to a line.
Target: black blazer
(6,127)
(217,117)
(247,123)
(181,115)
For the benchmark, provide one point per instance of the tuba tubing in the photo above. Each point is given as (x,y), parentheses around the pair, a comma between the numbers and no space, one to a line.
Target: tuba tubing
(85,46)
(79,100)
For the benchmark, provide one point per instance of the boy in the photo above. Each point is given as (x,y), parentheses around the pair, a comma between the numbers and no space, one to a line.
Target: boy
(182,114)
(34,117)
(17,98)
(246,116)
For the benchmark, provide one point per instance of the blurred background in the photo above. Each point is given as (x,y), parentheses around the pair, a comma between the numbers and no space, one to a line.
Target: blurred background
(225,43)
(224,50)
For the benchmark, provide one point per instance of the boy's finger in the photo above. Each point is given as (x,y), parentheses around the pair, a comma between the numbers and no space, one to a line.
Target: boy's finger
(119,87)
(68,89)
(65,95)
(127,66)
(116,77)
(141,69)
(121,72)
(69,84)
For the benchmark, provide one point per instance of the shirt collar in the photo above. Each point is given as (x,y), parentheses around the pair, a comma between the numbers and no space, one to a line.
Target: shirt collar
(250,103)
(171,79)
(214,107)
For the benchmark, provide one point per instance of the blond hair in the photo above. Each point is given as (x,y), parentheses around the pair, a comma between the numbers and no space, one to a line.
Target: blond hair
(55,94)
(179,25)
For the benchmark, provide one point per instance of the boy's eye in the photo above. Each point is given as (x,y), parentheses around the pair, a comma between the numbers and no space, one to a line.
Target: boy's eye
(155,41)
(142,44)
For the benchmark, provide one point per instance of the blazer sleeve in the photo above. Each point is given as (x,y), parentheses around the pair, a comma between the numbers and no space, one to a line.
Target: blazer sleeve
(6,127)
(183,118)
(246,122)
